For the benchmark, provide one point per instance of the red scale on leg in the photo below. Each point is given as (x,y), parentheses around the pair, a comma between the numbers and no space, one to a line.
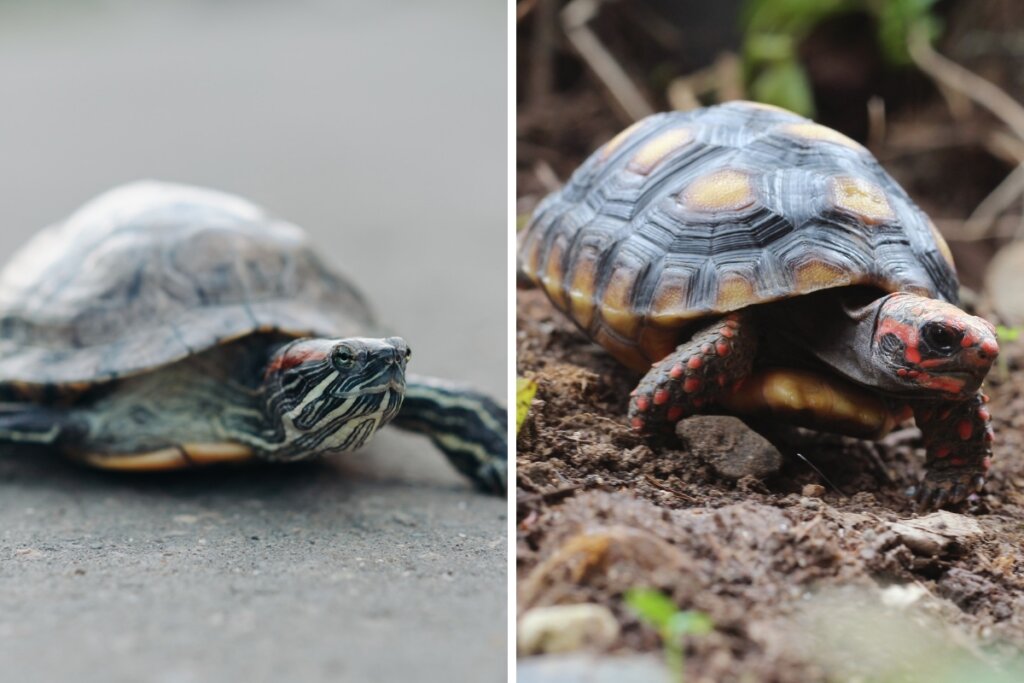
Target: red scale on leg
(695,375)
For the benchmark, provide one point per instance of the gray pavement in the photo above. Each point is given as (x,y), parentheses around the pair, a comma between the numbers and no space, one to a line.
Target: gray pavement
(380,127)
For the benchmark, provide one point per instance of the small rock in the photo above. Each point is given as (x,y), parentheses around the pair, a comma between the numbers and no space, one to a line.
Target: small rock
(576,668)
(902,595)
(937,534)
(567,628)
(1004,280)
(732,448)
(813,490)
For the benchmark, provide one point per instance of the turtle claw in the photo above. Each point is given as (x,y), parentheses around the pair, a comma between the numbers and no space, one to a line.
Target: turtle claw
(947,489)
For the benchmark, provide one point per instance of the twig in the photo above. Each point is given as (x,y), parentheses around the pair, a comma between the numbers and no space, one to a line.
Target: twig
(979,90)
(876,122)
(998,200)
(542,51)
(546,176)
(576,17)
(523,9)
(954,230)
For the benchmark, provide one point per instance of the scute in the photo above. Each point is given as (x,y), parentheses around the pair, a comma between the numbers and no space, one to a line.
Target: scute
(149,273)
(686,215)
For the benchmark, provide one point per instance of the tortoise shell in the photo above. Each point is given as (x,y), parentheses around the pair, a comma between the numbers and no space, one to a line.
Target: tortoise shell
(150,273)
(686,215)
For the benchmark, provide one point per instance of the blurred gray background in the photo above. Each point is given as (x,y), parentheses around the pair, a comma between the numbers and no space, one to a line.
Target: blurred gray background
(380,128)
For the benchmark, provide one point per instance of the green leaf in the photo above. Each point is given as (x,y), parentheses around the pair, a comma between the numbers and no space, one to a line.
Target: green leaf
(651,606)
(690,623)
(525,391)
(1007,333)
(785,85)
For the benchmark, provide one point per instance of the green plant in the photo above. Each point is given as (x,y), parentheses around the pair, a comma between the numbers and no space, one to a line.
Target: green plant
(774,29)
(525,391)
(657,610)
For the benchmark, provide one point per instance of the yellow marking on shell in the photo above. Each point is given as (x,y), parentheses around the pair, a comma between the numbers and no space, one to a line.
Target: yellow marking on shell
(725,190)
(809,400)
(815,275)
(657,342)
(816,131)
(617,141)
(616,309)
(581,289)
(623,351)
(153,461)
(862,198)
(531,262)
(734,292)
(654,151)
(212,453)
(940,241)
(668,307)
(553,276)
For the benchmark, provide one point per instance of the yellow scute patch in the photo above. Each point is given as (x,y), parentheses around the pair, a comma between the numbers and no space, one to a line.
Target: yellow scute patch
(940,241)
(733,293)
(862,198)
(726,190)
(617,141)
(815,131)
(654,151)
(615,304)
(815,275)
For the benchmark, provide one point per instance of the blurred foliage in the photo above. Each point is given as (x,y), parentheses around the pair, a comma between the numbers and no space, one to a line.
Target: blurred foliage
(657,610)
(774,29)
(525,391)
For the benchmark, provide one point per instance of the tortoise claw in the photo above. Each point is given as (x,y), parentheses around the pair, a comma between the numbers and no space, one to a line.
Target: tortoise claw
(939,490)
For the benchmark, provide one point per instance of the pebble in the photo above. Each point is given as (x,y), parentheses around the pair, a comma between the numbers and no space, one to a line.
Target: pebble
(732,448)
(566,628)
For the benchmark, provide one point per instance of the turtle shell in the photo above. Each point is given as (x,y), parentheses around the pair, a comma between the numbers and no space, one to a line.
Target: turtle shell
(149,273)
(686,215)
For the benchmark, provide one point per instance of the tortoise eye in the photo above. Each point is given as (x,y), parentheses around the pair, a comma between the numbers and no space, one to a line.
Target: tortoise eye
(941,337)
(343,357)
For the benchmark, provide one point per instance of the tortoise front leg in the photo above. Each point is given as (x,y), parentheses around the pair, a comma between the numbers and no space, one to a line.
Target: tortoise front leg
(699,372)
(958,440)
(466,425)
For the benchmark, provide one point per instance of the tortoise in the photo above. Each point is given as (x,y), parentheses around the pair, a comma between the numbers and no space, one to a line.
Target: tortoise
(163,326)
(752,262)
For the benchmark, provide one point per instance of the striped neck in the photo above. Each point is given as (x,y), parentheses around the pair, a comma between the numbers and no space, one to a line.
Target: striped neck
(329,395)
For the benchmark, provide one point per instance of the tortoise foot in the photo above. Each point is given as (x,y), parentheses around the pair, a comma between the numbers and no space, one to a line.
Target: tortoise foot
(696,374)
(947,488)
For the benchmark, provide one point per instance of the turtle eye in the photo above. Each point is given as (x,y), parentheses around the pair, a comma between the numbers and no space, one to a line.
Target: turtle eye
(942,337)
(343,357)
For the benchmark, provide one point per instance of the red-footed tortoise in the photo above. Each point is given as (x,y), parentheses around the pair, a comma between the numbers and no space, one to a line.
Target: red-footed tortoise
(163,326)
(753,262)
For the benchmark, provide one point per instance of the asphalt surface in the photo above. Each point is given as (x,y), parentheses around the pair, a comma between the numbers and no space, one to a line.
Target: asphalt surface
(382,131)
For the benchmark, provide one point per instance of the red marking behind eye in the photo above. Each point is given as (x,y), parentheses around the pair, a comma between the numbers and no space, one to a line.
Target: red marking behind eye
(297,355)
(905,333)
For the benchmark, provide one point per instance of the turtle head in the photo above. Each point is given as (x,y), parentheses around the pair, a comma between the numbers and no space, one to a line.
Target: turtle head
(325,395)
(929,346)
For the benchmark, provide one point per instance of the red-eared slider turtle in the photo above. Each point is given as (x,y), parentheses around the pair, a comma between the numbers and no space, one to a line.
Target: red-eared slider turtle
(164,326)
(767,266)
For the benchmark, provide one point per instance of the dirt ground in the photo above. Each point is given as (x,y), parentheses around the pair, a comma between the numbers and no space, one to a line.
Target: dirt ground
(811,573)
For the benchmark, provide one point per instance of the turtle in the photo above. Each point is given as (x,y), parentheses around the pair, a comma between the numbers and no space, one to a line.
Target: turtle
(750,261)
(164,326)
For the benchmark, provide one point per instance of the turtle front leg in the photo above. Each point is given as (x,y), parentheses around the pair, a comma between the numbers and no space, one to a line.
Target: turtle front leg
(958,441)
(467,426)
(703,370)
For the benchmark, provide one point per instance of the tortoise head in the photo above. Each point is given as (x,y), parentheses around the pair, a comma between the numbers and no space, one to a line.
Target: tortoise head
(926,345)
(327,395)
